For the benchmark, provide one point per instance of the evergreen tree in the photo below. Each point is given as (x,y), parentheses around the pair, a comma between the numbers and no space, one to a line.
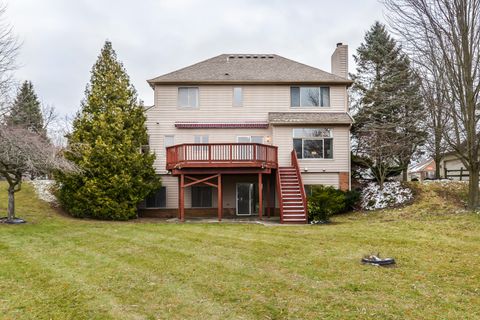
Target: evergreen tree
(25,110)
(106,142)
(389,112)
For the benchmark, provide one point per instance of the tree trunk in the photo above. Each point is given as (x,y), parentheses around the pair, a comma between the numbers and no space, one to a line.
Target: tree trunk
(437,160)
(473,187)
(405,175)
(11,204)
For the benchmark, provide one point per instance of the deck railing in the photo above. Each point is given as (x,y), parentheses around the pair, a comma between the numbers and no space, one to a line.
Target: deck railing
(221,154)
(300,181)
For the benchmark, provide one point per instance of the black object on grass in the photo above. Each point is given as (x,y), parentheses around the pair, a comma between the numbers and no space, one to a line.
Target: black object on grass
(13,221)
(376,260)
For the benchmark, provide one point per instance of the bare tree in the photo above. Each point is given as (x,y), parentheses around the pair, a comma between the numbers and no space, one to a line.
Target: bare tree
(446,34)
(435,98)
(9,47)
(22,153)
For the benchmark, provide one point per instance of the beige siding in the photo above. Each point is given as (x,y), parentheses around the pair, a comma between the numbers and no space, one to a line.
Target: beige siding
(339,61)
(283,137)
(215,104)
(328,179)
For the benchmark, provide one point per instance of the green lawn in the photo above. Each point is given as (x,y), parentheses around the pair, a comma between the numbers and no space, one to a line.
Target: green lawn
(56,267)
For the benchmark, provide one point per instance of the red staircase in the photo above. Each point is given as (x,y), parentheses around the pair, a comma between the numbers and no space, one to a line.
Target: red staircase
(293,204)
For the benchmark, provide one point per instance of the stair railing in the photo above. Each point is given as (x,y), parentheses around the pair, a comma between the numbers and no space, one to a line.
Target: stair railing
(280,194)
(300,182)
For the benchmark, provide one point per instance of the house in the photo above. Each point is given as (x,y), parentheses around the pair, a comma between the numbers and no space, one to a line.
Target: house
(242,135)
(423,170)
(452,167)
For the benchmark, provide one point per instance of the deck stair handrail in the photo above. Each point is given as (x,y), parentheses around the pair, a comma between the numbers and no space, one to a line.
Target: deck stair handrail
(300,181)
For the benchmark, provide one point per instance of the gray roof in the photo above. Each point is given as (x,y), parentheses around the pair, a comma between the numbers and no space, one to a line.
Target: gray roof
(288,118)
(249,68)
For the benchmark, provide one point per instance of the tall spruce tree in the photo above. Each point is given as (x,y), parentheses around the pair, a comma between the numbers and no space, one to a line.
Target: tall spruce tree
(389,111)
(25,110)
(106,142)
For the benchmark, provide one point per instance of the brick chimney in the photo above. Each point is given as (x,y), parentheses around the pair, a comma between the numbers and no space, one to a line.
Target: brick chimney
(340,60)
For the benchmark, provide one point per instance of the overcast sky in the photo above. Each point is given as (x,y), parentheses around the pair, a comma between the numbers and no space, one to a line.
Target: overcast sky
(62,39)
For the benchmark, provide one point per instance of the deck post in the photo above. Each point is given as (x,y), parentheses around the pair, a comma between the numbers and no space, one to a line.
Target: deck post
(268,195)
(219,197)
(179,203)
(260,196)
(182,198)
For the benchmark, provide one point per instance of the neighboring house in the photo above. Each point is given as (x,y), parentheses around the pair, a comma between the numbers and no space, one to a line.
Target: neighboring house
(452,167)
(422,170)
(242,134)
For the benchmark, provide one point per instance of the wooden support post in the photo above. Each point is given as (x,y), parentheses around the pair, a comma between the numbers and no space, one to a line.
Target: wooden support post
(461,173)
(182,198)
(260,196)
(179,203)
(268,195)
(219,197)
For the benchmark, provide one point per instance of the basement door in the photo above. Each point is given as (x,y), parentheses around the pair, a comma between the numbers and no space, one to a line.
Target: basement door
(247,198)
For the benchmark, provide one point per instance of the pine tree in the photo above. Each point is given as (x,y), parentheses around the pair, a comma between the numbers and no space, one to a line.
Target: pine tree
(389,111)
(25,110)
(106,142)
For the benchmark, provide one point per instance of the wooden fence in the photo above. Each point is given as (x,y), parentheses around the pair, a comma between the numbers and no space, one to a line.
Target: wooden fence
(461,174)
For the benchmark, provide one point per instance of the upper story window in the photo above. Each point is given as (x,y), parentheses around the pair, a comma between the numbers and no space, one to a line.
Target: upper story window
(237,96)
(310,96)
(188,97)
(313,143)
(201,139)
(250,139)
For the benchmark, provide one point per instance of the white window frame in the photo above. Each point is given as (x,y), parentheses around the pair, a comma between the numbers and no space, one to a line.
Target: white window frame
(189,105)
(250,138)
(319,98)
(234,104)
(200,138)
(330,131)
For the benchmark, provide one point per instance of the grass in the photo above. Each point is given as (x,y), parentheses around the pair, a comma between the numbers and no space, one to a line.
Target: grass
(56,267)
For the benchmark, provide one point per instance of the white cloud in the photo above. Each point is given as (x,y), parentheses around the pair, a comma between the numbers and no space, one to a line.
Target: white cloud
(61,39)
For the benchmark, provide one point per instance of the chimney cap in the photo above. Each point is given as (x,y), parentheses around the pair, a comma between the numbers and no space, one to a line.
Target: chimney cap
(339,44)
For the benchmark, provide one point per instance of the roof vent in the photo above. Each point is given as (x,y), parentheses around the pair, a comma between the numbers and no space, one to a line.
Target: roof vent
(231,57)
(248,57)
(240,57)
(270,57)
(227,74)
(262,57)
(339,44)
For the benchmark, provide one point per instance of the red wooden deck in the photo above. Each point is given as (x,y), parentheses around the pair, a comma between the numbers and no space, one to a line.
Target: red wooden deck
(221,155)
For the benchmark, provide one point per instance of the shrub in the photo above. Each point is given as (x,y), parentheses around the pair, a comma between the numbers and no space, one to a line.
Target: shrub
(352,198)
(324,202)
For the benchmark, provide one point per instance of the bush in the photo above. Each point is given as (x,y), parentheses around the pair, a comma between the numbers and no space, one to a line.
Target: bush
(352,198)
(325,202)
